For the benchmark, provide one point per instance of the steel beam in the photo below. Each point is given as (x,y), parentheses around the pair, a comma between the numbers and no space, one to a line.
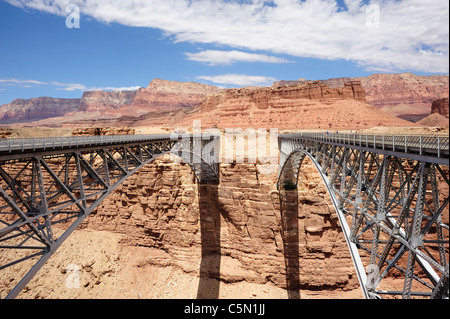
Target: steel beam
(390,202)
(33,198)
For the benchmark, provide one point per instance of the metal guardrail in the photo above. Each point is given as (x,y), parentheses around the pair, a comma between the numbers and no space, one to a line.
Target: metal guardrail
(438,145)
(8,145)
(46,143)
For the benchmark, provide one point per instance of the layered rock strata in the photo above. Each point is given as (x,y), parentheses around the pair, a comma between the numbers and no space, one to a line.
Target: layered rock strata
(439,114)
(404,94)
(236,229)
(309,105)
(27,110)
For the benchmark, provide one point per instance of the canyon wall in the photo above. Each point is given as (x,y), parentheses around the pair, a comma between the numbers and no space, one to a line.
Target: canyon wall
(230,239)
(160,234)
(236,228)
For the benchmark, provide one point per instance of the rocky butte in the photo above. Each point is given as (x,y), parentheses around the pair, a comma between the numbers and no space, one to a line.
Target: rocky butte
(439,114)
(441,107)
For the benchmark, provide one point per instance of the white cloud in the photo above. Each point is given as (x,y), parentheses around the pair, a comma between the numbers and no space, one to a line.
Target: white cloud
(70,86)
(309,28)
(63,86)
(239,79)
(82,87)
(216,57)
(110,88)
(20,82)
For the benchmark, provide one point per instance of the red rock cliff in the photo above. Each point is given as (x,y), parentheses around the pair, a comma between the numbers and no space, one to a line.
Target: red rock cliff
(403,93)
(173,93)
(308,105)
(441,107)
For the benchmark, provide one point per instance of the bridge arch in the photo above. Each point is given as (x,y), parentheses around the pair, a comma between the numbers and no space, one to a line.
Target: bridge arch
(287,184)
(392,209)
(41,189)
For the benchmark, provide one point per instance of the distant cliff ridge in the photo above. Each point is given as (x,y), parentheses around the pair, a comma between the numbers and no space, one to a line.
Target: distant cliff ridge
(405,95)
(103,99)
(159,93)
(310,105)
(396,94)
(26,110)
(173,94)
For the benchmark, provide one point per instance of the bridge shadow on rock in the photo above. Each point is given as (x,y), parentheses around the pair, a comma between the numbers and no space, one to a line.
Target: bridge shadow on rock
(209,283)
(289,222)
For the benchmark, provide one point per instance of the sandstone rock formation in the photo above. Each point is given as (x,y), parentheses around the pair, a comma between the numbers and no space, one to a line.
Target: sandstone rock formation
(401,95)
(441,107)
(5,133)
(404,95)
(303,106)
(231,234)
(173,94)
(439,114)
(103,100)
(103,131)
(107,106)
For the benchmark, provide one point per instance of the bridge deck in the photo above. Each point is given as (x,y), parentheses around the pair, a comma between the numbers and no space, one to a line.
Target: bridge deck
(433,149)
(15,148)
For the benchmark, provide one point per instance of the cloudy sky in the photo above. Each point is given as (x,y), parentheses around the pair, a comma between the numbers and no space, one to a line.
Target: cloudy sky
(48,49)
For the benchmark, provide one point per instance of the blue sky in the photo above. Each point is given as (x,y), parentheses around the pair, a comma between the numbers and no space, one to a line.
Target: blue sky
(126,44)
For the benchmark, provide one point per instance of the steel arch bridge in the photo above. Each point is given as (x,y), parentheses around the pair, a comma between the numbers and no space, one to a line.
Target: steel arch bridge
(391,196)
(60,181)
(390,193)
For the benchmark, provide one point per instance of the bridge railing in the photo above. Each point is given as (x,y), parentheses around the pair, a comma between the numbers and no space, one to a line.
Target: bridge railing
(46,143)
(14,144)
(438,145)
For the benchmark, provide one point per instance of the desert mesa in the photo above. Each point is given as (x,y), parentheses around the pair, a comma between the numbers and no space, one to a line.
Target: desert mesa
(393,100)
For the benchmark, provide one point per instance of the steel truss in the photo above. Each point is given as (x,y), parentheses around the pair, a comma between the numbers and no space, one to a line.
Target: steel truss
(393,212)
(40,189)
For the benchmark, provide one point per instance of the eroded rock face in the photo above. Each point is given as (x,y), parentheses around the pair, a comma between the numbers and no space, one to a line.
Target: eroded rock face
(101,100)
(173,93)
(261,97)
(103,131)
(397,94)
(5,133)
(441,107)
(236,228)
(310,105)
